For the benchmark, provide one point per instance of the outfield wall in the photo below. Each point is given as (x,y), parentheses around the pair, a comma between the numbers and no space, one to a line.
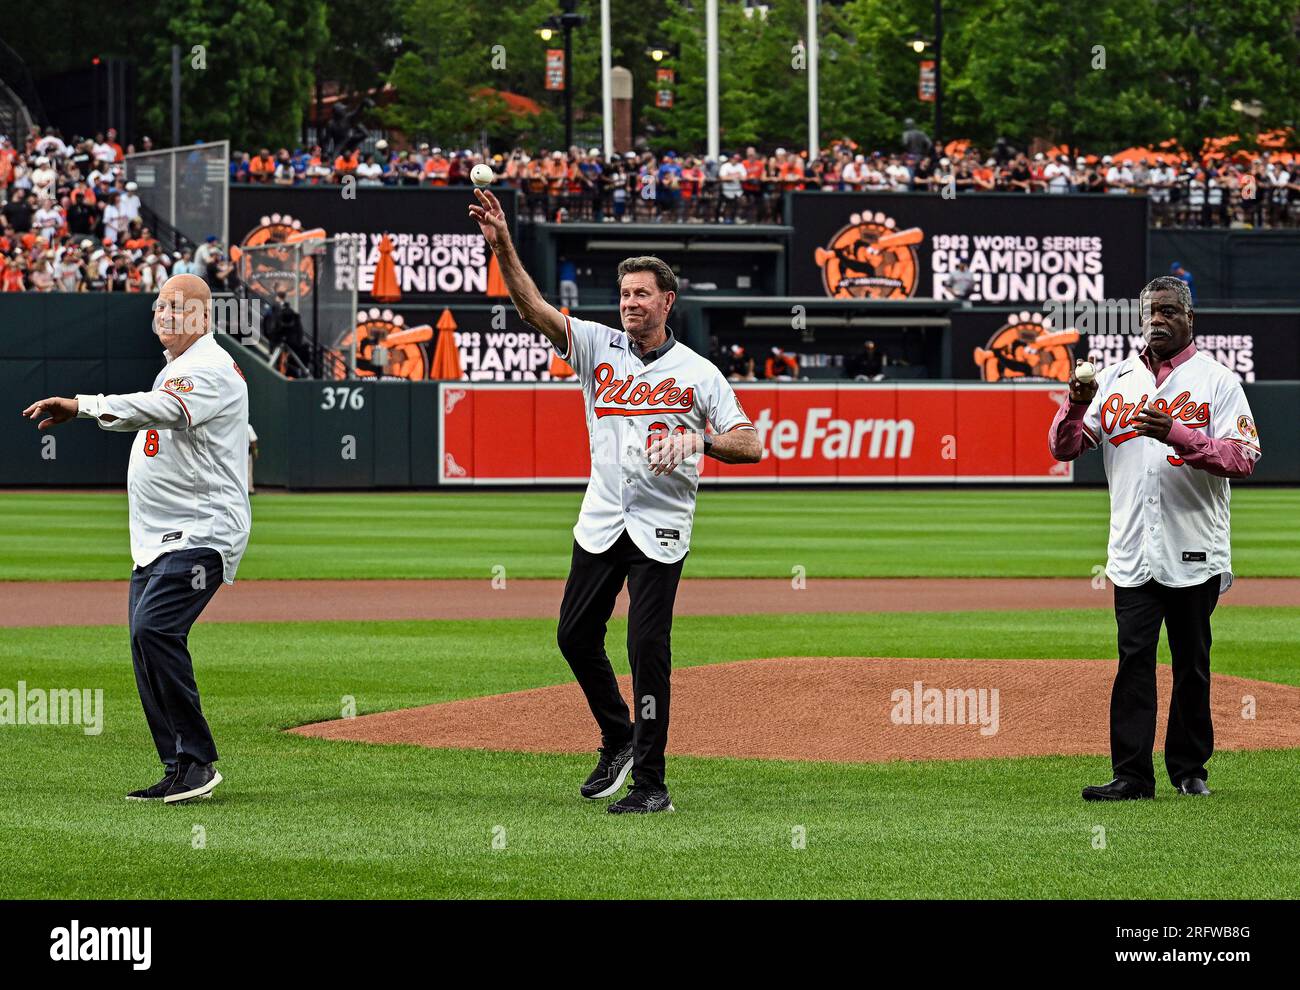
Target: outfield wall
(398,434)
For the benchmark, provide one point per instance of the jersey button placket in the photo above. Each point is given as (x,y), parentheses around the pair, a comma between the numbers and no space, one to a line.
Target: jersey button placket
(1151,507)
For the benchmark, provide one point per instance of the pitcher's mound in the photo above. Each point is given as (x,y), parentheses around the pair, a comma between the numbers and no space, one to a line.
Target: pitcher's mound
(846,709)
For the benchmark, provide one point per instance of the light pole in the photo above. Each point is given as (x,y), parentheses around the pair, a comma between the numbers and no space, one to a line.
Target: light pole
(565,21)
(919,44)
(938,74)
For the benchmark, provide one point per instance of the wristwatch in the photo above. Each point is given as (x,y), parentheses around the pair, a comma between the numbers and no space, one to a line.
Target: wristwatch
(708,443)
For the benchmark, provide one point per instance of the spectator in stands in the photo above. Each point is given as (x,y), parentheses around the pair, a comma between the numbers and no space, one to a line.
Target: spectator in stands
(740,366)
(732,176)
(82,217)
(115,221)
(129,203)
(868,364)
(408,169)
(915,141)
(318,167)
(1056,175)
(1119,177)
(437,167)
(184,264)
(104,152)
(616,182)
(369,172)
(220,273)
(19,212)
(69,271)
(1177,270)
(285,174)
(205,253)
(261,170)
(668,188)
(240,165)
(960,281)
(47,220)
(43,178)
(154,273)
(781,366)
(568,273)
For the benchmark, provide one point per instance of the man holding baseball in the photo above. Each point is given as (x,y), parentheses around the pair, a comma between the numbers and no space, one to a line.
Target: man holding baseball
(187,492)
(649,399)
(1174,426)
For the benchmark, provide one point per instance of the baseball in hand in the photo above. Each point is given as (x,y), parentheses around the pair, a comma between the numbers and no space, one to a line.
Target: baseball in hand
(482,175)
(1085,372)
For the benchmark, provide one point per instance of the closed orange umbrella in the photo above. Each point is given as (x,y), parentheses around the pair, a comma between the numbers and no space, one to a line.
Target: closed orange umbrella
(496,284)
(446,357)
(561,368)
(385,286)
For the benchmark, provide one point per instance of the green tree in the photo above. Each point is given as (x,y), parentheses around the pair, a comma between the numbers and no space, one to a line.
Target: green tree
(1073,73)
(255,82)
(364,42)
(1206,55)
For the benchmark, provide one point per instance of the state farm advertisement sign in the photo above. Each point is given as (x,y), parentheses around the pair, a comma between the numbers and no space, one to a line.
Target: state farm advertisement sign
(847,433)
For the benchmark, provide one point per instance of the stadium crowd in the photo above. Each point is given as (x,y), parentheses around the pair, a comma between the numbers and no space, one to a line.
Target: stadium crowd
(70,221)
(747,187)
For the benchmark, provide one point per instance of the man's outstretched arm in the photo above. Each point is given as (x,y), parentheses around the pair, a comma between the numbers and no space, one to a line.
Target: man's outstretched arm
(532,308)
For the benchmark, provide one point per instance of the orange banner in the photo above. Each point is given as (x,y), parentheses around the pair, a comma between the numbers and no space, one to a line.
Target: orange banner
(555,68)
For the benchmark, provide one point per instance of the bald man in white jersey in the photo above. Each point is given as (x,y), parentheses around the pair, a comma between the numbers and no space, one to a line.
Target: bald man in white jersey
(187,493)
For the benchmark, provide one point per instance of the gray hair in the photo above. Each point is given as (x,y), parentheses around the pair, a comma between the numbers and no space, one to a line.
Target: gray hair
(1168,283)
(664,277)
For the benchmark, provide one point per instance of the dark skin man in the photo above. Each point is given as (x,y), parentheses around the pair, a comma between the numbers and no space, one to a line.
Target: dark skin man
(1167,329)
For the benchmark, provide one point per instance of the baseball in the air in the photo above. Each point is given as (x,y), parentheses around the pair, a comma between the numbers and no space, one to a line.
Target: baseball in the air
(1085,372)
(482,175)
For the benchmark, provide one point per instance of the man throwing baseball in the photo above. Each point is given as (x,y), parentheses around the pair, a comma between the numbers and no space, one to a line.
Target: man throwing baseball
(187,492)
(649,399)
(1173,425)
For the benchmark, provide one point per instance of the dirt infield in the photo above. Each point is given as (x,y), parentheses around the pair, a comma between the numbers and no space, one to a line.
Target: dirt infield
(85,603)
(844,710)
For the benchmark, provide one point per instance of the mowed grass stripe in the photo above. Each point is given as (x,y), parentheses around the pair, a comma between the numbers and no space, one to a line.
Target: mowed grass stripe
(309,818)
(866,533)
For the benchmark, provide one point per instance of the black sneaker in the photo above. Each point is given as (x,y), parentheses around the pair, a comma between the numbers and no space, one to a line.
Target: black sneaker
(195,781)
(611,771)
(158,791)
(639,802)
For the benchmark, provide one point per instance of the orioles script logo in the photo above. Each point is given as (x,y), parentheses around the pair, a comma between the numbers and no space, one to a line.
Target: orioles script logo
(1116,414)
(647,399)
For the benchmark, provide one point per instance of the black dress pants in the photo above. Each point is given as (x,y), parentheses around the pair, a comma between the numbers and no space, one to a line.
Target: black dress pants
(1189,741)
(595,580)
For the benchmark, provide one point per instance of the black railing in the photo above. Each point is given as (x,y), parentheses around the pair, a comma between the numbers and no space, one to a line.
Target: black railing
(169,238)
(14,74)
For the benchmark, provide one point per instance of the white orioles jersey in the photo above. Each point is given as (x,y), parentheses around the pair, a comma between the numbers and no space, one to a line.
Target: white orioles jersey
(629,402)
(187,484)
(1168,520)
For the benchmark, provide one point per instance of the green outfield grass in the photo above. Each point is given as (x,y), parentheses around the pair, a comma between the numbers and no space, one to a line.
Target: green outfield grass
(1043,532)
(310,818)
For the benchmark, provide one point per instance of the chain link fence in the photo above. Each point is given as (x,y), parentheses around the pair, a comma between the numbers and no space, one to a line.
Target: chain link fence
(186,187)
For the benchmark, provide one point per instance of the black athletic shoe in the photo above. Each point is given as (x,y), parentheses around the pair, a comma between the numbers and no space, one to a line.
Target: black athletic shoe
(640,802)
(194,781)
(611,771)
(158,791)
(1118,790)
(1193,785)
